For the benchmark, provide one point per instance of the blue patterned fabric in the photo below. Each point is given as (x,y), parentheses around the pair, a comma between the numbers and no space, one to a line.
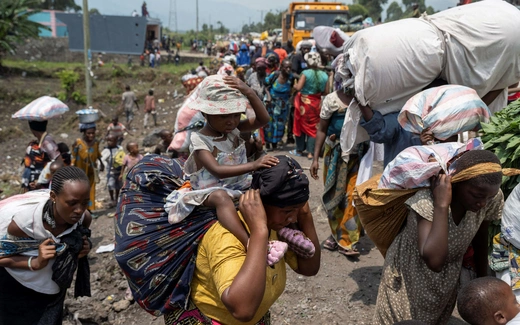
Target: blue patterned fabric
(158,258)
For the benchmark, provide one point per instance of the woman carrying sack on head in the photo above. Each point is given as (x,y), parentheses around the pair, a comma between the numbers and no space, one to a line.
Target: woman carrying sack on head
(85,154)
(420,277)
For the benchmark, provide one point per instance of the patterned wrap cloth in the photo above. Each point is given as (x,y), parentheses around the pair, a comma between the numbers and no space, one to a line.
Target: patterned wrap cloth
(157,258)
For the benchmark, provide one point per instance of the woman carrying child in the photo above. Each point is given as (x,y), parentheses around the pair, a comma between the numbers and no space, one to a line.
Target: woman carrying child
(423,264)
(217,166)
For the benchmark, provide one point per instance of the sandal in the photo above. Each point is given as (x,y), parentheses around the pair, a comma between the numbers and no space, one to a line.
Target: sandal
(296,153)
(275,251)
(330,244)
(297,241)
(348,252)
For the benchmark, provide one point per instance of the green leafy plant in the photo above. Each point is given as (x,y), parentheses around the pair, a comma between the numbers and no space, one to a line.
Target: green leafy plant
(502,136)
(68,79)
(79,98)
(15,26)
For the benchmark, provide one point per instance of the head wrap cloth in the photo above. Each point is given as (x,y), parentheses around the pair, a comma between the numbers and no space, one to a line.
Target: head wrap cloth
(482,169)
(86,126)
(40,126)
(282,185)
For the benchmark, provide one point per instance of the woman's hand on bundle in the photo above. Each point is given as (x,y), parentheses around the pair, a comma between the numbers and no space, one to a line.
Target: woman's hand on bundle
(427,136)
(252,209)
(238,84)
(85,249)
(265,162)
(441,189)
(46,251)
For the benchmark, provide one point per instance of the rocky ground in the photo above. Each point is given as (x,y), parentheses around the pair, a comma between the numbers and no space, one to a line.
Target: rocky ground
(344,291)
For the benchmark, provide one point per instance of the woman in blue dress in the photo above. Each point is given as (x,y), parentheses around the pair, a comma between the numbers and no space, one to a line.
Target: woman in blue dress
(279,84)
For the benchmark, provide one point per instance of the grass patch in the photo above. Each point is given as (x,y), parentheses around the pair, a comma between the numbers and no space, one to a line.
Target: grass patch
(106,72)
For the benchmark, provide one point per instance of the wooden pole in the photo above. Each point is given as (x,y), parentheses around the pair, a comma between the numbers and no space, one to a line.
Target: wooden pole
(86,51)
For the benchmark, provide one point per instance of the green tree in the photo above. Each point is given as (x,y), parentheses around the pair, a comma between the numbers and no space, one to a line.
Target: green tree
(64,5)
(94,11)
(15,26)
(375,7)
(394,12)
(357,10)
(204,28)
(272,20)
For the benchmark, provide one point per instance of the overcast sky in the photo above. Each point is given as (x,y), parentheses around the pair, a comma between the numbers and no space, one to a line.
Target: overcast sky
(232,13)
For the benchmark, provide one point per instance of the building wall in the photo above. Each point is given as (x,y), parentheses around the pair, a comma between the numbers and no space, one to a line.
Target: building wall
(48,18)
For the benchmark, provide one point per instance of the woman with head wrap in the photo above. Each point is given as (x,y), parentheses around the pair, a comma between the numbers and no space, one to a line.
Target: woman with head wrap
(257,78)
(310,87)
(214,278)
(85,154)
(420,277)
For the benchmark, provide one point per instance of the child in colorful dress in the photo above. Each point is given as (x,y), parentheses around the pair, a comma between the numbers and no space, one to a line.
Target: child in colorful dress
(217,166)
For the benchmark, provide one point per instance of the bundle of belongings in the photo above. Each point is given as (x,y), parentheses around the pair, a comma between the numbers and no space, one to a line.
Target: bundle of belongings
(473,45)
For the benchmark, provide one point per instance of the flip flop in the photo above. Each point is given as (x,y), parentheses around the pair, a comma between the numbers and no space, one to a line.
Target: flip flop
(348,252)
(296,153)
(330,244)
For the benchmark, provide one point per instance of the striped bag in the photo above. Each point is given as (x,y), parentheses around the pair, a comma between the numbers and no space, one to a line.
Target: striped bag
(415,166)
(42,109)
(446,110)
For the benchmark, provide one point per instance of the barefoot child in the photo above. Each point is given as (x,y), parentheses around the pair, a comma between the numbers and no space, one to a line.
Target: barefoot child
(131,159)
(217,166)
(113,156)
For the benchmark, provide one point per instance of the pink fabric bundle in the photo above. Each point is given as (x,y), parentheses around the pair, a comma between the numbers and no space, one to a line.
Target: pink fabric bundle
(414,166)
(187,120)
(446,110)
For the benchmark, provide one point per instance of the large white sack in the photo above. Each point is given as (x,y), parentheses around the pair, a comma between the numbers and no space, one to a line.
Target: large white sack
(511,218)
(394,61)
(483,45)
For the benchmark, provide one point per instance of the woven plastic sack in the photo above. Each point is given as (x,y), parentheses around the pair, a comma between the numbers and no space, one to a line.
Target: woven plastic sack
(482,45)
(446,110)
(382,212)
(510,226)
(415,166)
(42,109)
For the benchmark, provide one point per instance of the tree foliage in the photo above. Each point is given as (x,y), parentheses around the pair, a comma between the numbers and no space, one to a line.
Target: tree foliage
(357,10)
(394,12)
(272,20)
(15,26)
(63,5)
(375,7)
(94,11)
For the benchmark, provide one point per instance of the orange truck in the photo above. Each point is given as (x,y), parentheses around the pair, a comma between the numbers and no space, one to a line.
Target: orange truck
(301,18)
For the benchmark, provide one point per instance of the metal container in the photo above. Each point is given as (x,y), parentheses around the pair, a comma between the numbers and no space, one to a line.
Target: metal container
(88,115)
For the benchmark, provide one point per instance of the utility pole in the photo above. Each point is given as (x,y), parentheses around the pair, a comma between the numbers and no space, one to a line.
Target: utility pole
(197,4)
(172,21)
(86,51)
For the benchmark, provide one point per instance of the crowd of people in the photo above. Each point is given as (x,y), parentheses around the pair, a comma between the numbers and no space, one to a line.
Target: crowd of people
(225,216)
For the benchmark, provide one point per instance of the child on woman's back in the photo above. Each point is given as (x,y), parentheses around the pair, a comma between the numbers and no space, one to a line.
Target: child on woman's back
(217,166)
(131,159)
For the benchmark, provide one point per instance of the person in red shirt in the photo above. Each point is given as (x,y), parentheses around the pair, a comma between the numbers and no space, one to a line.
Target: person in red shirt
(282,54)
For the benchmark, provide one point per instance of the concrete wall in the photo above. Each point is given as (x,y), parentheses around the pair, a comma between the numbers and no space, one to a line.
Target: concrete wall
(57,50)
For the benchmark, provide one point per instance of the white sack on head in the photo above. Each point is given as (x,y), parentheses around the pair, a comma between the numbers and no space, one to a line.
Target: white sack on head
(483,45)
(445,110)
(322,36)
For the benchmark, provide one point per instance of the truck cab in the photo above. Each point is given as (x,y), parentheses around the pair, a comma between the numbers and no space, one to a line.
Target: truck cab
(301,18)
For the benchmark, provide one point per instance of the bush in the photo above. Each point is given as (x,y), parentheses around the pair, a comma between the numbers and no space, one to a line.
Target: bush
(79,98)
(68,79)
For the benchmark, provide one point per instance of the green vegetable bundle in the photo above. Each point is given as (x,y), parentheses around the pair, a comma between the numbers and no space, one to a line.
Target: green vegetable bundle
(502,136)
